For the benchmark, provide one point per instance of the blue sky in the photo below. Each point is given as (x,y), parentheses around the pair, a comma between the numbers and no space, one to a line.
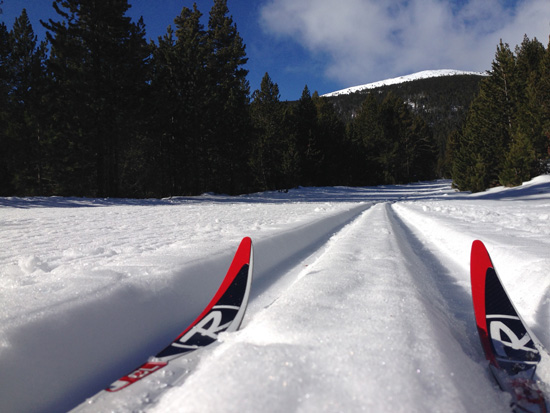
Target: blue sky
(333,44)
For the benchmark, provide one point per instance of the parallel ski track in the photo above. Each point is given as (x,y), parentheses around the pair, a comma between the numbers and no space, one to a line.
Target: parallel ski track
(403,299)
(428,291)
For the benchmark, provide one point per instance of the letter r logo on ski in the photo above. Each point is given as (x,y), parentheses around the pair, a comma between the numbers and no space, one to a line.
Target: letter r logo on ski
(206,329)
(507,332)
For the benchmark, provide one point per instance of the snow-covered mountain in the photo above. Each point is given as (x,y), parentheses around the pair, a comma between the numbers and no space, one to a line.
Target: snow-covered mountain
(426,74)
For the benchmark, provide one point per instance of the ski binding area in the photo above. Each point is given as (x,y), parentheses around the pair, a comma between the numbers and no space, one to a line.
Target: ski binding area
(361,301)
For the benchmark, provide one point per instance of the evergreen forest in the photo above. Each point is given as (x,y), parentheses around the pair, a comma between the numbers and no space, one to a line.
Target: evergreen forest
(505,139)
(95,110)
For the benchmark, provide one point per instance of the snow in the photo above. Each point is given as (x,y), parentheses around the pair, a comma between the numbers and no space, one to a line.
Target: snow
(426,74)
(360,301)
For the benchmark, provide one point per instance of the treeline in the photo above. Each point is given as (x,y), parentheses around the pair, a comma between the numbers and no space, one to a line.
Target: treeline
(95,110)
(307,143)
(506,137)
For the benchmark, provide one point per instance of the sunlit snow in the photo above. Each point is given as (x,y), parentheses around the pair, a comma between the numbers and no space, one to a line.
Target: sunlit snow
(360,300)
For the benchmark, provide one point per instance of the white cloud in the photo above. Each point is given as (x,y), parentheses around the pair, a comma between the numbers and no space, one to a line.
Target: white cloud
(369,40)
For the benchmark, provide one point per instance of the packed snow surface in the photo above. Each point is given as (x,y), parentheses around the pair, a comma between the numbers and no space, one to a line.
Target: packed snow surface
(426,74)
(360,301)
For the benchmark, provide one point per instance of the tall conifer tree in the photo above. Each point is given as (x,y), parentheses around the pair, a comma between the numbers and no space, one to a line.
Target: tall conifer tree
(542,97)
(270,146)
(306,138)
(395,146)
(367,135)
(6,177)
(98,62)
(179,101)
(228,116)
(532,72)
(193,52)
(331,133)
(26,112)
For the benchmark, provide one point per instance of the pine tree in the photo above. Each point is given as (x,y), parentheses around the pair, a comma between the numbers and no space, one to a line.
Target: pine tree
(98,64)
(193,51)
(367,135)
(542,99)
(5,53)
(26,114)
(446,164)
(179,105)
(228,117)
(268,149)
(519,161)
(471,151)
(6,178)
(161,174)
(418,150)
(331,137)
(534,61)
(529,68)
(390,155)
(529,56)
(379,126)
(306,136)
(469,169)
(506,136)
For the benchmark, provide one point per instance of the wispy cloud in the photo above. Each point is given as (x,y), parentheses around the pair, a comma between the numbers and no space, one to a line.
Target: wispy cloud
(368,40)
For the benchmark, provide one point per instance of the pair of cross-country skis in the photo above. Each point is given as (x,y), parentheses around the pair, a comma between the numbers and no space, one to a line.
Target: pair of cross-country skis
(513,352)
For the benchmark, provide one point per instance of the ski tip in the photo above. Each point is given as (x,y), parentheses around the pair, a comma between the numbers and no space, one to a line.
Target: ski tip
(481,250)
(477,244)
(479,254)
(244,253)
(246,241)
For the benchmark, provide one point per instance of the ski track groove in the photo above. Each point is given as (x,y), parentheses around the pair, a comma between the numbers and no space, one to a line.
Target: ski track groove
(283,261)
(448,305)
(416,310)
(455,299)
(512,260)
(278,261)
(286,276)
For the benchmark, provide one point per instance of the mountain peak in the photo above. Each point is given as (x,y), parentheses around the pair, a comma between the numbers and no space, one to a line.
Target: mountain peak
(426,74)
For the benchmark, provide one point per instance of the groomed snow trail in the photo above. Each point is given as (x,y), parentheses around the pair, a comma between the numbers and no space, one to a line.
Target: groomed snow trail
(379,337)
(360,300)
